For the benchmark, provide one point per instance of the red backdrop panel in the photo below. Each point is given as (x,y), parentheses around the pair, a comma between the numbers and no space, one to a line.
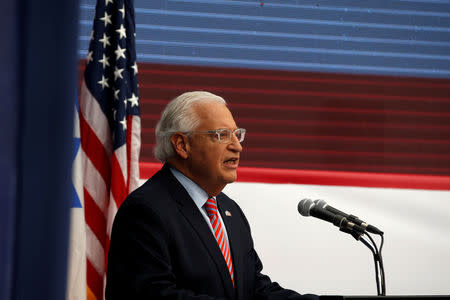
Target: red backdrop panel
(317,121)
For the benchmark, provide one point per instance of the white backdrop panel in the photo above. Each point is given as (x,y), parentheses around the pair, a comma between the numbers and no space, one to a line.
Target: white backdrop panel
(312,256)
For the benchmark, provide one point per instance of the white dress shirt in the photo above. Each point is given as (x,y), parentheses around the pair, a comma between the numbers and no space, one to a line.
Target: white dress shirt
(200,197)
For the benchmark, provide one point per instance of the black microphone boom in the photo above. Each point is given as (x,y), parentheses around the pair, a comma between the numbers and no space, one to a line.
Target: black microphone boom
(322,204)
(307,207)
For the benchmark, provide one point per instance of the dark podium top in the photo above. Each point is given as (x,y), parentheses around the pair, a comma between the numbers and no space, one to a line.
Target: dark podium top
(397,297)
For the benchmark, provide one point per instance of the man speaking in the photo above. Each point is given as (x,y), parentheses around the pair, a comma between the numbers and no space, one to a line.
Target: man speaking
(178,236)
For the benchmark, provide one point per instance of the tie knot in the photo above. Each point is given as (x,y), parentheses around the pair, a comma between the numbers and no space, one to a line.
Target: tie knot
(211,207)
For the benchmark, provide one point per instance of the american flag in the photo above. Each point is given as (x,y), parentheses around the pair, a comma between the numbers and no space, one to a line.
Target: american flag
(109,130)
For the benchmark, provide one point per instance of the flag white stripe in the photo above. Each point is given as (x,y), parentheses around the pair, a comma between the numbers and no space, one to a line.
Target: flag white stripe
(94,184)
(121,155)
(135,150)
(111,212)
(95,252)
(77,253)
(90,108)
(76,126)
(77,175)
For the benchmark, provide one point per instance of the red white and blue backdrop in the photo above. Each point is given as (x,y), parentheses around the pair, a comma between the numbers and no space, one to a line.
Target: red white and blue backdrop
(346,101)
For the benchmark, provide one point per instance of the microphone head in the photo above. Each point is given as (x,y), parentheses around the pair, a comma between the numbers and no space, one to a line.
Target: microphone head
(304,207)
(320,203)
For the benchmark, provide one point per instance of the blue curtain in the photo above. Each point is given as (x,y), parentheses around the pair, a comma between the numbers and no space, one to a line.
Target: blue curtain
(39,83)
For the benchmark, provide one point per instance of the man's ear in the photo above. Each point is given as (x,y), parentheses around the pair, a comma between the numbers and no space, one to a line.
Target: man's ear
(180,144)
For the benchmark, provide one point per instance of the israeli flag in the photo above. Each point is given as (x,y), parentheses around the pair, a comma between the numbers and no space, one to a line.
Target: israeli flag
(76,279)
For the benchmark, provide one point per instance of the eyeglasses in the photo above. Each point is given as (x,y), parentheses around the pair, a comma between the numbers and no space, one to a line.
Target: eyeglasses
(225,135)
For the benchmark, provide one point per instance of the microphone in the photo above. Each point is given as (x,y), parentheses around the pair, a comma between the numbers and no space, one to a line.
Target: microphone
(323,205)
(307,207)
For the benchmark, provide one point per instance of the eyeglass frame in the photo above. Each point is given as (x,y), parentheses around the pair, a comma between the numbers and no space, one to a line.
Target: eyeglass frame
(218,131)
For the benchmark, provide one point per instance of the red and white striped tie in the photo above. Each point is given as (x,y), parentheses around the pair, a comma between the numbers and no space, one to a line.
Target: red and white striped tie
(211,209)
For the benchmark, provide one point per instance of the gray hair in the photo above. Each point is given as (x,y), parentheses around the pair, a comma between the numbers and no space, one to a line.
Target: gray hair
(179,116)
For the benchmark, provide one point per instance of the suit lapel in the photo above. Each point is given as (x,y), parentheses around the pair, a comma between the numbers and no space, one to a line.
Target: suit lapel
(190,211)
(233,232)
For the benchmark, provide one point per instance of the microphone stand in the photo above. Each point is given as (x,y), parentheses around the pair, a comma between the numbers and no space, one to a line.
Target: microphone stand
(378,260)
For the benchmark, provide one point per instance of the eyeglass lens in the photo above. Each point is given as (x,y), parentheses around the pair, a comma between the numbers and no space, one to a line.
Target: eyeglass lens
(239,135)
(225,135)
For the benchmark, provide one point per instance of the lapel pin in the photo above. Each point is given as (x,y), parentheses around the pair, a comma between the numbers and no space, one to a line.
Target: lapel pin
(227,213)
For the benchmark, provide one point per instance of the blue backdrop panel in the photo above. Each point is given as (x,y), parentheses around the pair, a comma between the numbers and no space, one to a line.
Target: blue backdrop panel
(404,38)
(47,90)
(8,136)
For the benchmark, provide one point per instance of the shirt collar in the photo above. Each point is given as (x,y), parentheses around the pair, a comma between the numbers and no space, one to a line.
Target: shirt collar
(197,193)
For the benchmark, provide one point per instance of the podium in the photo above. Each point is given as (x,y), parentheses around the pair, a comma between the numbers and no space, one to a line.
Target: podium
(396,297)
(417,297)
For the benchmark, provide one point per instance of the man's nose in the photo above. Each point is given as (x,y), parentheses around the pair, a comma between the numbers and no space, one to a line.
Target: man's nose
(235,145)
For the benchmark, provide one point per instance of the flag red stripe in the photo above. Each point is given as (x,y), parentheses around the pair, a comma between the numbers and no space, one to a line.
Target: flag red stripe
(118,187)
(94,280)
(95,218)
(94,149)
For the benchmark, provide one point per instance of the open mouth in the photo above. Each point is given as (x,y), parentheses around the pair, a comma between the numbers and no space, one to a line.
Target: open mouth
(232,162)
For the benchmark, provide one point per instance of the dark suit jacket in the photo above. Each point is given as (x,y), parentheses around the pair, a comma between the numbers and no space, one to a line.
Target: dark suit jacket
(162,248)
